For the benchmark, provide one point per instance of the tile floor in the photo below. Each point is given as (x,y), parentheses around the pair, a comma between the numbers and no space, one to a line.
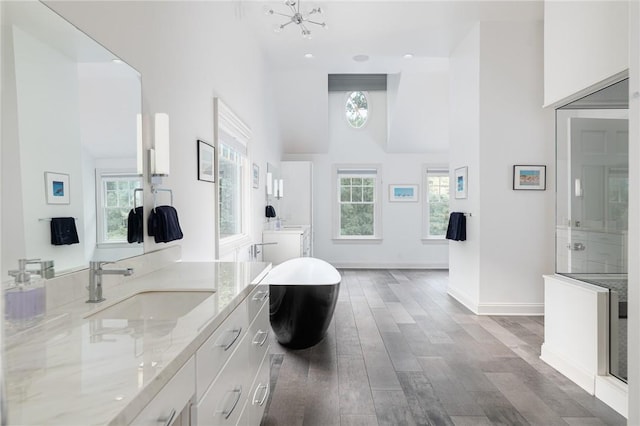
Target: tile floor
(400,351)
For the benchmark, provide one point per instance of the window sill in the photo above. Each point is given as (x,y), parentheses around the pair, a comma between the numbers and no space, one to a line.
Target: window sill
(118,245)
(434,240)
(356,240)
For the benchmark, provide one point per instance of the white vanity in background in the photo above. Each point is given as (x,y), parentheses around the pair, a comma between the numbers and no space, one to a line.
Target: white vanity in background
(186,343)
(295,239)
(285,244)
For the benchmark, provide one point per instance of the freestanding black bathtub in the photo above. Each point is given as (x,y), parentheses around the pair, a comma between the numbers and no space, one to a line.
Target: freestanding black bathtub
(302,297)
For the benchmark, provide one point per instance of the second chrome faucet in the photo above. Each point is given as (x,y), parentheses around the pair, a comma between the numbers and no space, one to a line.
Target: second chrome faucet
(95,279)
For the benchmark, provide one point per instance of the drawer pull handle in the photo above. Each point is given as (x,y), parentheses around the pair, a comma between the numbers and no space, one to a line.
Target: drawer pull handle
(235,333)
(237,392)
(166,421)
(261,296)
(261,401)
(261,342)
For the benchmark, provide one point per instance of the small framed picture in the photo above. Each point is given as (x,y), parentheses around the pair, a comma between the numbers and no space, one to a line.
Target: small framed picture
(403,193)
(57,188)
(460,182)
(533,178)
(206,162)
(255,175)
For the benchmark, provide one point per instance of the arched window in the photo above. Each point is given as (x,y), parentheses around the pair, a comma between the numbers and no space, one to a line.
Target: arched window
(357,109)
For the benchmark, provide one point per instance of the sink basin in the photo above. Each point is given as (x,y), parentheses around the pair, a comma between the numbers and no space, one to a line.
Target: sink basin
(154,305)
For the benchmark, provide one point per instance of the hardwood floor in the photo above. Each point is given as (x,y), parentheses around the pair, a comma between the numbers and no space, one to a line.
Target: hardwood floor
(400,351)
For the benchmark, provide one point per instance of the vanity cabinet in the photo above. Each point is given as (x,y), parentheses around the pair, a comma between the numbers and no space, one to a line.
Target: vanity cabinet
(289,243)
(171,404)
(233,366)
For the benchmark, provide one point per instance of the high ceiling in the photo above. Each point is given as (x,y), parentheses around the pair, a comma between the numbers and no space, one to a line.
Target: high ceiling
(383,30)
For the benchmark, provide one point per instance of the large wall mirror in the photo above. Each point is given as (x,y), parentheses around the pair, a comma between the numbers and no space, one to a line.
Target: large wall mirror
(592,202)
(70,137)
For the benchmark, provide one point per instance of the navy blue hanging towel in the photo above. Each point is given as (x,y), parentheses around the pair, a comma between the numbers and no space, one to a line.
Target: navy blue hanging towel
(457,229)
(163,224)
(63,231)
(135,225)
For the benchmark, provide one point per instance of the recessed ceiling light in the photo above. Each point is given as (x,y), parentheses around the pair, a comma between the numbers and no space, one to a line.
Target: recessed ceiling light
(408,55)
(308,55)
(361,58)
(116,61)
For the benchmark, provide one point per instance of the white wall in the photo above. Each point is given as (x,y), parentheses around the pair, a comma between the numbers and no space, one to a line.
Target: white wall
(188,53)
(509,237)
(585,42)
(401,245)
(464,151)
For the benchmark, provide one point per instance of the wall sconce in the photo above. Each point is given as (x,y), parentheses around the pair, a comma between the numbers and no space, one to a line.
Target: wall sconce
(577,188)
(279,188)
(159,155)
(139,151)
(269,183)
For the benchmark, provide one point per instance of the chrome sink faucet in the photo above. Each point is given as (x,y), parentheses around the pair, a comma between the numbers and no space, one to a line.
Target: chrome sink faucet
(95,279)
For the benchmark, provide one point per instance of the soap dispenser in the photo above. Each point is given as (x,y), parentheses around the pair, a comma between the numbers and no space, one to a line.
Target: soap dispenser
(25,301)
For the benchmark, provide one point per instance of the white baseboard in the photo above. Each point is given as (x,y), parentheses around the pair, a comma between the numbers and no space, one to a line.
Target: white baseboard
(578,375)
(388,265)
(462,298)
(497,308)
(536,309)
(614,393)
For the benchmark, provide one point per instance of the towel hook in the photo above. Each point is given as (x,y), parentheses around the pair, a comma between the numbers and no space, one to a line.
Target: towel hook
(155,192)
(135,205)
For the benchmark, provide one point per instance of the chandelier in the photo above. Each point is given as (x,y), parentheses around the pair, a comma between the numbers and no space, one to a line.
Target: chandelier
(299,18)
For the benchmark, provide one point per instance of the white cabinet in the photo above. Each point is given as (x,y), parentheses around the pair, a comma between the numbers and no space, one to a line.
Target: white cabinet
(231,366)
(171,403)
(289,243)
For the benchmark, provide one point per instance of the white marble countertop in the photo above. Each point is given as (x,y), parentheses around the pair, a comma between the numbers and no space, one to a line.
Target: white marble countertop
(74,370)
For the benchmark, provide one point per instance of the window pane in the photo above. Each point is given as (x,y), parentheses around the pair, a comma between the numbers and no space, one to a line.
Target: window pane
(367,194)
(345,181)
(356,194)
(368,181)
(438,205)
(356,181)
(230,173)
(356,219)
(112,198)
(345,194)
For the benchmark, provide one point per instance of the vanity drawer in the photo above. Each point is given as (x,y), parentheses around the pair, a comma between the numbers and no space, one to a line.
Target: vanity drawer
(259,334)
(212,355)
(259,392)
(258,297)
(172,398)
(223,402)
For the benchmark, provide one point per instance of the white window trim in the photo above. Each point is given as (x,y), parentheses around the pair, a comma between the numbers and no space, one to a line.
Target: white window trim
(425,196)
(377,209)
(100,206)
(237,136)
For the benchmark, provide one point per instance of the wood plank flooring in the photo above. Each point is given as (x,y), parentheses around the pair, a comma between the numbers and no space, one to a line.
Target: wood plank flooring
(400,351)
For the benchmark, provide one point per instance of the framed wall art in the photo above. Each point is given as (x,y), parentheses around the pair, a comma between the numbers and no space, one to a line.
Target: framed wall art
(533,178)
(403,193)
(206,162)
(460,182)
(255,175)
(57,188)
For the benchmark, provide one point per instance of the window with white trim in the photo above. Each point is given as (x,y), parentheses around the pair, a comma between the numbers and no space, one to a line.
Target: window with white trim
(231,170)
(436,206)
(115,199)
(357,202)
(233,179)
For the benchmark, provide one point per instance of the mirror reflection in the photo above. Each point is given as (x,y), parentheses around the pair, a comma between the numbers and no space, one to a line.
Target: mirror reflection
(70,114)
(273,188)
(592,202)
